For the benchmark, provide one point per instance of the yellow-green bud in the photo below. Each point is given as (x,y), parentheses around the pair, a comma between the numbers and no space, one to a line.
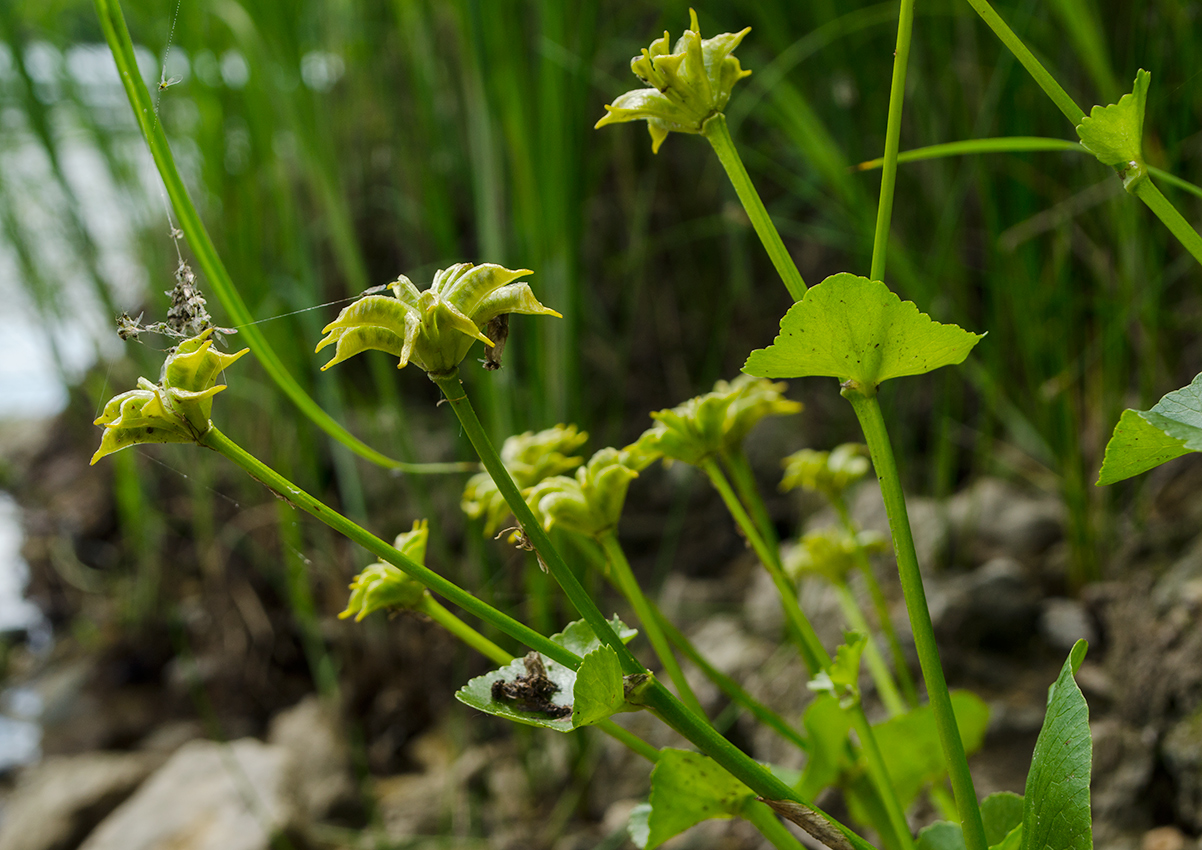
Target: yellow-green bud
(175,410)
(708,424)
(382,585)
(829,473)
(589,504)
(434,328)
(530,458)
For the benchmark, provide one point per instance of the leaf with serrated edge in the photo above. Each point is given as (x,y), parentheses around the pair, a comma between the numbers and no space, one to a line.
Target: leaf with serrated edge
(478,694)
(1144,439)
(687,788)
(1114,134)
(850,327)
(577,636)
(1056,813)
(598,690)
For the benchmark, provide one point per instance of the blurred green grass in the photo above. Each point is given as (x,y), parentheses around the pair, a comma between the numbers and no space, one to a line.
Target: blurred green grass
(331,146)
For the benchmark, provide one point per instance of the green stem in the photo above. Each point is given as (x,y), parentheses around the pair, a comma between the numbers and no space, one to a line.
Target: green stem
(112,21)
(453,389)
(735,461)
(1040,74)
(496,654)
(629,587)
(450,591)
(879,775)
(812,651)
(901,667)
(726,684)
(1147,192)
(868,412)
(748,771)
(770,826)
(872,656)
(716,131)
(897,95)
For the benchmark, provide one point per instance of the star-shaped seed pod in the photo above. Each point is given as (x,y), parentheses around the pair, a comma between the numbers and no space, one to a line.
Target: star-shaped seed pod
(175,410)
(589,504)
(829,473)
(831,553)
(530,458)
(382,585)
(688,85)
(712,423)
(433,328)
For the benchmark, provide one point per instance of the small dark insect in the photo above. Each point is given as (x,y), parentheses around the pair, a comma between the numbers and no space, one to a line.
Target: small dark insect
(533,691)
(497,330)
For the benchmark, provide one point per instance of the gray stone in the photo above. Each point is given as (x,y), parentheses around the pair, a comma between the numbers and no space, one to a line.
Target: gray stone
(319,765)
(994,607)
(1063,622)
(208,796)
(1182,582)
(1123,758)
(1182,753)
(994,518)
(57,802)
(928,521)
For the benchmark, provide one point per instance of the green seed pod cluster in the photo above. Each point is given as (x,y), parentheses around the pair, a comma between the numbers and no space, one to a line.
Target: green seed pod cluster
(829,473)
(530,458)
(712,423)
(175,410)
(688,84)
(382,585)
(591,502)
(434,328)
(830,552)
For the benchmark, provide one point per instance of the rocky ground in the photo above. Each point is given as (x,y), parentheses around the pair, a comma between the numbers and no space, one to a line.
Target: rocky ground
(201,728)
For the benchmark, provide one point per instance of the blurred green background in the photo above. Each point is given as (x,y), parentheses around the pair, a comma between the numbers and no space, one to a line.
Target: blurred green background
(331,145)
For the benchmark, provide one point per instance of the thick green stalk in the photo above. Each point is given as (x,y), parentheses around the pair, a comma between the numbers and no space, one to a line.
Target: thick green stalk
(726,684)
(450,591)
(1040,74)
(897,95)
(112,21)
(716,131)
(872,656)
(452,388)
(812,651)
(901,667)
(879,775)
(1147,192)
(497,655)
(868,411)
(629,586)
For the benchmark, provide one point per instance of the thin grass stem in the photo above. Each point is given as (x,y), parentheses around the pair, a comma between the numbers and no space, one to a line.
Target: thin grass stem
(1147,192)
(897,95)
(879,775)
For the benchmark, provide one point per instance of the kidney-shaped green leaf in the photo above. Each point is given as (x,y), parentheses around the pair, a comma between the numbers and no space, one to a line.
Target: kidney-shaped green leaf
(1144,439)
(850,327)
(1002,814)
(686,788)
(1056,813)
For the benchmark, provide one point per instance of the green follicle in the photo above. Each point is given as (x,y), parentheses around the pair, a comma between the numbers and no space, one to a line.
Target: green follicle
(530,458)
(435,328)
(589,504)
(383,586)
(175,410)
(708,424)
(829,473)
(688,84)
(831,553)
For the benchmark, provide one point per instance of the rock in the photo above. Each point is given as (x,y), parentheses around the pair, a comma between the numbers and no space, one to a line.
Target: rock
(1181,750)
(1182,582)
(319,765)
(412,804)
(208,796)
(1063,622)
(928,521)
(994,518)
(1123,758)
(994,607)
(1163,838)
(59,801)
